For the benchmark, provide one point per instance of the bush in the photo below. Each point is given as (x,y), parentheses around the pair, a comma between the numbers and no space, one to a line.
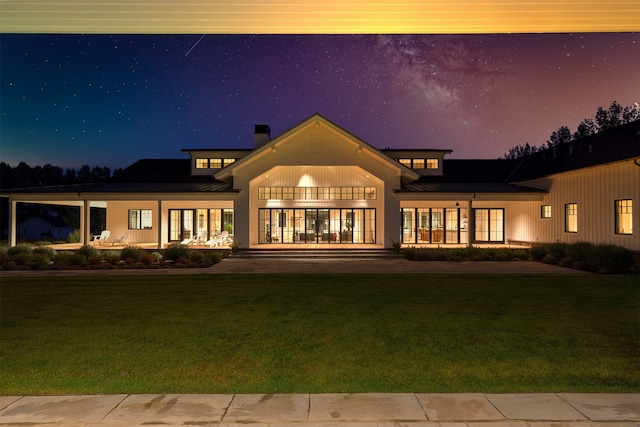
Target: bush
(538,252)
(147,259)
(45,250)
(157,256)
(87,251)
(9,266)
(131,254)
(20,249)
(579,251)
(568,262)
(196,256)
(176,251)
(557,250)
(215,257)
(22,258)
(40,261)
(74,237)
(111,256)
(549,259)
(611,258)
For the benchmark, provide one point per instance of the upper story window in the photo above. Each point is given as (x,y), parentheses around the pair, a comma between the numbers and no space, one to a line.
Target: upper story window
(420,163)
(202,163)
(317,193)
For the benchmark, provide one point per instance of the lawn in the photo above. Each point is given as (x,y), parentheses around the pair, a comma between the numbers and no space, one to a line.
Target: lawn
(319,333)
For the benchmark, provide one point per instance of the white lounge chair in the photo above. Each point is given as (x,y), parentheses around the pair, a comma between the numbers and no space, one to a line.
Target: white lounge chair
(101,238)
(193,240)
(217,240)
(121,240)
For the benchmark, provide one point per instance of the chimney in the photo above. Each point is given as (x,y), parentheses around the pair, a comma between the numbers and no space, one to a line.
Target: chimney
(261,135)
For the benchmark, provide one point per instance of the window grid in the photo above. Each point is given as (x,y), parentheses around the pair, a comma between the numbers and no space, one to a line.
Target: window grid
(571,218)
(205,163)
(317,193)
(433,163)
(140,219)
(624,216)
(545,211)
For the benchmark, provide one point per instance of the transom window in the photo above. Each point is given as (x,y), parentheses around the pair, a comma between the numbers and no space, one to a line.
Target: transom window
(317,193)
(624,216)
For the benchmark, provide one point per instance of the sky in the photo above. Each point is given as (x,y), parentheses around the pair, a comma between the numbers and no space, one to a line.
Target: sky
(109,100)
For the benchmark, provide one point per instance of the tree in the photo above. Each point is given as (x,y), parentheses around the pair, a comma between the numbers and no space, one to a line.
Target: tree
(561,136)
(585,128)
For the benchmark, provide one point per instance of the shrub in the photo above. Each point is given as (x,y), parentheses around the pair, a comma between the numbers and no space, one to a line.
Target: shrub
(147,259)
(74,237)
(557,250)
(22,258)
(579,251)
(196,256)
(111,256)
(40,261)
(157,256)
(538,252)
(87,251)
(501,256)
(549,259)
(20,249)
(568,262)
(131,254)
(215,257)
(45,250)
(611,258)
(9,266)
(94,259)
(62,259)
(176,251)
(77,259)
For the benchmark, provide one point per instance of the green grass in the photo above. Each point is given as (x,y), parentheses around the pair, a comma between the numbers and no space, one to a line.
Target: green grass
(319,333)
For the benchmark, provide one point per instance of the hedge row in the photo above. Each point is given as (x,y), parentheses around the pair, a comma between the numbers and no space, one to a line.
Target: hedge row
(24,256)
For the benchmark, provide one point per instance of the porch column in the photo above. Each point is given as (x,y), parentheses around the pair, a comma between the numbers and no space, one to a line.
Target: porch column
(85,222)
(13,226)
(160,222)
(472,224)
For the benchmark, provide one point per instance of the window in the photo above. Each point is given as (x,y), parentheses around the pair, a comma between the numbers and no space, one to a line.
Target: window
(624,216)
(418,163)
(406,162)
(202,163)
(215,163)
(433,163)
(545,211)
(489,225)
(140,219)
(227,162)
(571,217)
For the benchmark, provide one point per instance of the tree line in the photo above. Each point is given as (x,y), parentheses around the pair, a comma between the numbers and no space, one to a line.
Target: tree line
(603,119)
(23,175)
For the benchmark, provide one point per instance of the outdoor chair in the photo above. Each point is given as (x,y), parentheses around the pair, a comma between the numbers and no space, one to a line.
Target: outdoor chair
(194,240)
(217,240)
(122,240)
(101,238)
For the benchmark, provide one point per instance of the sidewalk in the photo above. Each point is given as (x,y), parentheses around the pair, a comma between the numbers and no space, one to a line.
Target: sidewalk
(348,410)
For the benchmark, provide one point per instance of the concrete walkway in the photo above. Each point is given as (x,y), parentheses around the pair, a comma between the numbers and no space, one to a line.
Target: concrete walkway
(328,265)
(323,410)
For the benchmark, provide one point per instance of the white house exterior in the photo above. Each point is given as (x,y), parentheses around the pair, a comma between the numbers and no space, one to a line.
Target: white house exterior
(318,186)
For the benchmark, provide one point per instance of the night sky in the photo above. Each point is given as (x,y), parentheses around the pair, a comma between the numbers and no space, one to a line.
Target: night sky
(104,100)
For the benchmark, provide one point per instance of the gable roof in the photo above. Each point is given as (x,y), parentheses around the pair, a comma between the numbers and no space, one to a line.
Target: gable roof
(315,120)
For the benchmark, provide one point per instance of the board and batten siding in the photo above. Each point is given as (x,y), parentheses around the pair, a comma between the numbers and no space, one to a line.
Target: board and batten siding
(595,191)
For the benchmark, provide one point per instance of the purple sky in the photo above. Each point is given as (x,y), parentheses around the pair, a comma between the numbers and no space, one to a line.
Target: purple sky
(107,100)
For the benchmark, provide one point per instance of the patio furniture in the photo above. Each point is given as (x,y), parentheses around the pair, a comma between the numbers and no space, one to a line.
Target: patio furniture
(101,238)
(121,240)
(217,240)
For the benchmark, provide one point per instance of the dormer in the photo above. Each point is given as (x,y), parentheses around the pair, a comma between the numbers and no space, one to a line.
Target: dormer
(424,162)
(208,162)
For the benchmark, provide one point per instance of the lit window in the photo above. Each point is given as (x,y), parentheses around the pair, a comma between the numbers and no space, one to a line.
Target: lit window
(433,163)
(624,216)
(406,162)
(571,217)
(227,162)
(545,211)
(140,219)
(202,163)
(418,163)
(215,163)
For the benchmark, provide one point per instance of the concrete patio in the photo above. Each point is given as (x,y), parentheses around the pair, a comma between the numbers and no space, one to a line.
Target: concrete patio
(348,410)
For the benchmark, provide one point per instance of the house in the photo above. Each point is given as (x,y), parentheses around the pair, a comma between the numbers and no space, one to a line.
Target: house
(319,186)
(48,228)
